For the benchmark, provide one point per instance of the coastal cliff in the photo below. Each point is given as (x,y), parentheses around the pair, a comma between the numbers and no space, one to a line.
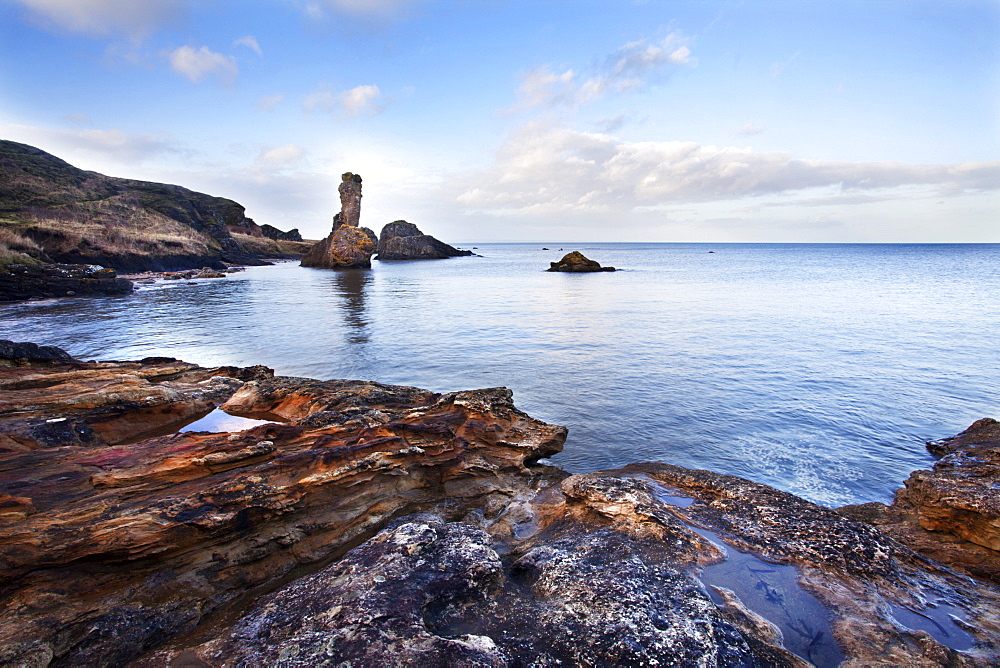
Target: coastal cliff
(383,525)
(53,212)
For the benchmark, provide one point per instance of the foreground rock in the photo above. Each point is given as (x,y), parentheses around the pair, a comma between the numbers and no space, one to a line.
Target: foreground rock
(577,262)
(404,241)
(952,513)
(116,533)
(348,244)
(383,525)
(44,281)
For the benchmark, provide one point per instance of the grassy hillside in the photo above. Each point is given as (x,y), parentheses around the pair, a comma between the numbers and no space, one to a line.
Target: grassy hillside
(50,211)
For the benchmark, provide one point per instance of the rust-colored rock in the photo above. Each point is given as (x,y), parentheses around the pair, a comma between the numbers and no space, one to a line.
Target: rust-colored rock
(951,513)
(385,525)
(110,545)
(348,244)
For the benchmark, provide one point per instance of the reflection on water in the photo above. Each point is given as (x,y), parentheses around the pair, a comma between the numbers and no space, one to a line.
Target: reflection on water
(771,590)
(937,619)
(820,370)
(351,285)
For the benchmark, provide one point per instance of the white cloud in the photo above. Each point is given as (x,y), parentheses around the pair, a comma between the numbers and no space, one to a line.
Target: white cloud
(778,68)
(628,69)
(364,99)
(361,100)
(377,8)
(750,129)
(100,18)
(250,42)
(545,169)
(110,146)
(196,64)
(278,158)
(270,102)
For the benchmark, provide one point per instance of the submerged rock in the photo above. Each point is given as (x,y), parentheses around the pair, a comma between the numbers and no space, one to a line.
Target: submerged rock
(348,245)
(376,524)
(401,240)
(43,281)
(577,262)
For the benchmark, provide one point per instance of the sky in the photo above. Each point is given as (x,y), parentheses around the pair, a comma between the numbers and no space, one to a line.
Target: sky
(533,120)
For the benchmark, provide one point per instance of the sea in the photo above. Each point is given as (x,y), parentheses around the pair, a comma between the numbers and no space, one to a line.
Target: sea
(821,370)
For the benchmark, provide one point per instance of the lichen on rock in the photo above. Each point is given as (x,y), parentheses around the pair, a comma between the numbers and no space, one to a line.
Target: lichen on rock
(348,244)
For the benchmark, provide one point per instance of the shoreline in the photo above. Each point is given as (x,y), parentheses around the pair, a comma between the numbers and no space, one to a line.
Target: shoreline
(333,488)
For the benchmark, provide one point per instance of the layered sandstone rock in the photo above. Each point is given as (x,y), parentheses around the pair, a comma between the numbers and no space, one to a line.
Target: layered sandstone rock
(951,513)
(115,538)
(577,262)
(348,244)
(401,240)
(384,525)
(44,281)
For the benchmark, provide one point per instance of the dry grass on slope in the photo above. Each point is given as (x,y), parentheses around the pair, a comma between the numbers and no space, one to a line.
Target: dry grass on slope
(264,247)
(16,248)
(114,226)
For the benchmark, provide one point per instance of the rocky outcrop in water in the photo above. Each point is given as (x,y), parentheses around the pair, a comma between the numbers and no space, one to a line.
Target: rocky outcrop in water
(951,513)
(387,525)
(43,281)
(348,245)
(577,262)
(401,240)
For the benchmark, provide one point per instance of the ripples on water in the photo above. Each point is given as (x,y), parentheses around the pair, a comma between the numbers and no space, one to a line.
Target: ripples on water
(819,369)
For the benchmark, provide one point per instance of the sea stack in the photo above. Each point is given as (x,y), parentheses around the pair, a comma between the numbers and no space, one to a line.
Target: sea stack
(577,262)
(348,245)
(401,240)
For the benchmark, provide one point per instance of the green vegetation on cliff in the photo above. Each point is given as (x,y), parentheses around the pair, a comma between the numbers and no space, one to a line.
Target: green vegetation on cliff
(51,211)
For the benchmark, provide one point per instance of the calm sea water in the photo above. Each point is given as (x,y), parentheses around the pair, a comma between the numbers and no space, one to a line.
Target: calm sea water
(819,369)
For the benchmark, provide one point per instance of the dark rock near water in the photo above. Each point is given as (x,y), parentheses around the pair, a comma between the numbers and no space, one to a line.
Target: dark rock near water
(577,262)
(348,245)
(401,240)
(18,281)
(372,524)
(32,352)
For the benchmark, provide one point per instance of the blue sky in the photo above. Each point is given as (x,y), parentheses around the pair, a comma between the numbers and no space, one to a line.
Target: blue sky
(537,120)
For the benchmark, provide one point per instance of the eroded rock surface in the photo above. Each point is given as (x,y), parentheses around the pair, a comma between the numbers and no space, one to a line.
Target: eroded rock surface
(348,244)
(606,569)
(401,240)
(950,513)
(576,262)
(374,524)
(110,545)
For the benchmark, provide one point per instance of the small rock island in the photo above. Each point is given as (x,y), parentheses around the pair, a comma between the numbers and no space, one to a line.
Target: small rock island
(576,262)
(349,244)
(401,240)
